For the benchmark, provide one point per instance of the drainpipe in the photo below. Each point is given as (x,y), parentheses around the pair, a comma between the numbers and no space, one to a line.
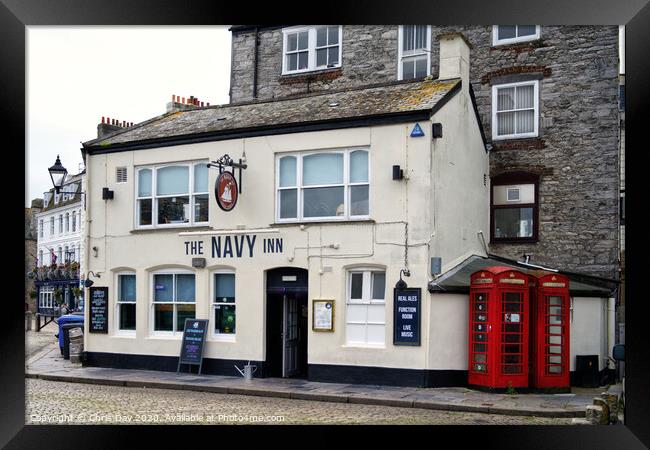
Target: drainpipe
(611,318)
(86,238)
(255,64)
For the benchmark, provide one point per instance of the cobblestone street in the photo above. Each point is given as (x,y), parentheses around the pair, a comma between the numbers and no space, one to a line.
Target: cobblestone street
(58,402)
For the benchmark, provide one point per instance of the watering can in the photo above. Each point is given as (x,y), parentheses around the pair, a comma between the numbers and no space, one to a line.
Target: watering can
(248,371)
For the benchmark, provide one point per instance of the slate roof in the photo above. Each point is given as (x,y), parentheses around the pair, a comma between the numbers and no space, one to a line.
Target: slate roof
(456,280)
(379,100)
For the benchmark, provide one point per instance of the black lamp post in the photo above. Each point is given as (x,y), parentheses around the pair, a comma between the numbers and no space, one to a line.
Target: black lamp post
(58,173)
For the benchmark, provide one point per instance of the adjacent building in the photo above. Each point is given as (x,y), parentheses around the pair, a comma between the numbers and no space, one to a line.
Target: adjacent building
(31,238)
(350,160)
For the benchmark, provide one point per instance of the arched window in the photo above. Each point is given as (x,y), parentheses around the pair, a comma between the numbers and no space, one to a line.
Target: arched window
(74,221)
(514,208)
(67,222)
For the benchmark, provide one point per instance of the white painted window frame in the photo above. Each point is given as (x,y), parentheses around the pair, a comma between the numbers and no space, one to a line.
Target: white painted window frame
(535,132)
(300,188)
(152,315)
(225,337)
(46,297)
(153,197)
(366,294)
(118,302)
(531,37)
(311,48)
(401,55)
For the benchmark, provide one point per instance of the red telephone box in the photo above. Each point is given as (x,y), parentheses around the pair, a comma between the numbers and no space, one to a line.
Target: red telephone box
(550,332)
(498,328)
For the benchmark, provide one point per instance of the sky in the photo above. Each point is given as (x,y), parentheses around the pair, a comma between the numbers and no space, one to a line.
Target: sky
(76,75)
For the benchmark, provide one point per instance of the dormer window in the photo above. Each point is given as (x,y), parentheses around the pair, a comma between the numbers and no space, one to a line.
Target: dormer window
(311,48)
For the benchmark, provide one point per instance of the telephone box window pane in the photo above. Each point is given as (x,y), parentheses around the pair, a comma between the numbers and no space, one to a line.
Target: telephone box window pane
(513,222)
(554,349)
(512,369)
(480,357)
(481,348)
(554,369)
(480,337)
(356,286)
(479,367)
(323,202)
(173,210)
(480,317)
(224,319)
(183,312)
(480,327)
(163,288)
(127,316)
(512,348)
(511,359)
(555,300)
(554,359)
(201,208)
(288,203)
(164,317)
(554,330)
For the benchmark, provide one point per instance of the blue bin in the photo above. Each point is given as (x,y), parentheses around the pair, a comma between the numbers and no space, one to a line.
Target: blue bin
(68,319)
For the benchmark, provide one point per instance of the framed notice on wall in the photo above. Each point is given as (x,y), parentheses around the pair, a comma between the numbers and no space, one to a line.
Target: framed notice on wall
(98,310)
(406,316)
(322,315)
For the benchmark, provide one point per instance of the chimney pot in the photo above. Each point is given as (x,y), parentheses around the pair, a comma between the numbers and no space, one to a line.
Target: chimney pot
(183,100)
(173,98)
(102,119)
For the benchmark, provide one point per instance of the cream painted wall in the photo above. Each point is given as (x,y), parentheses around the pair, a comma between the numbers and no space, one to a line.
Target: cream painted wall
(589,329)
(448,345)
(379,242)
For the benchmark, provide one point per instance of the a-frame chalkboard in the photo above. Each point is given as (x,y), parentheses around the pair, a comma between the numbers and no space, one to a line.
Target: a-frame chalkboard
(192,343)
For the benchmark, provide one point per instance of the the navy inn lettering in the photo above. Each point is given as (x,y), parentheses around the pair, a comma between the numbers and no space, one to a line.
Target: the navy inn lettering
(234,246)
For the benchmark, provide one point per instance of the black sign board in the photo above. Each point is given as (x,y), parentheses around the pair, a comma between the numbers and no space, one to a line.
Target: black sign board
(406,316)
(98,310)
(192,343)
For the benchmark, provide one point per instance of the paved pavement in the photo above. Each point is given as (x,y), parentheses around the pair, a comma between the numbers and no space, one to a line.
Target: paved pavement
(55,402)
(37,341)
(48,364)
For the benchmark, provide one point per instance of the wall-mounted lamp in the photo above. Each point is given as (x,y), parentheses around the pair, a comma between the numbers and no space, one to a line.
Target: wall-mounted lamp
(95,250)
(58,174)
(436,130)
(401,284)
(88,282)
(107,194)
(398,173)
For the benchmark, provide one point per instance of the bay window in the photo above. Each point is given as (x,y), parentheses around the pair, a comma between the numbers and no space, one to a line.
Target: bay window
(126,302)
(366,307)
(311,48)
(414,52)
(515,110)
(514,208)
(224,303)
(174,300)
(326,185)
(510,34)
(172,195)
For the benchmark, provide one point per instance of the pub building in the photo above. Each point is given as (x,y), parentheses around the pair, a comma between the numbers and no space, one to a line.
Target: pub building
(329,236)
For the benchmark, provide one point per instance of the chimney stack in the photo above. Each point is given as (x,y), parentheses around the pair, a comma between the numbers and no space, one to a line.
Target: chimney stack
(454,57)
(179,103)
(109,126)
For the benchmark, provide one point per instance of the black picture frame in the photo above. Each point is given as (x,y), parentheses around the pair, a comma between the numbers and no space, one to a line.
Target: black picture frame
(16,14)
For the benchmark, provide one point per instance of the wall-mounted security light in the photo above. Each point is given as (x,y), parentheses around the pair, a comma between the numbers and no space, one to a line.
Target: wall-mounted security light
(398,173)
(436,130)
(88,282)
(107,194)
(401,284)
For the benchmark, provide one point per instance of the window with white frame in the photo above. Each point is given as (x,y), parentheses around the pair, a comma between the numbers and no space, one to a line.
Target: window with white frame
(365,318)
(223,303)
(515,110)
(66,254)
(60,223)
(125,302)
(324,185)
(40,258)
(414,52)
(174,300)
(67,222)
(74,221)
(40,228)
(59,256)
(46,297)
(172,195)
(311,48)
(509,34)
(52,226)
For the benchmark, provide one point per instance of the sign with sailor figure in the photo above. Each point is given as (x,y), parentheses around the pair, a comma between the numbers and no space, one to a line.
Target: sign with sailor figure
(226,191)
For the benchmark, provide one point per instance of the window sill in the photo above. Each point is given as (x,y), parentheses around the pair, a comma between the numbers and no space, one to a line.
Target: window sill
(124,334)
(171,229)
(514,241)
(174,337)
(323,222)
(311,75)
(222,338)
(518,143)
(365,347)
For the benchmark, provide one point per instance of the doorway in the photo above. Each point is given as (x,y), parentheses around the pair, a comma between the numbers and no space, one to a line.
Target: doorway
(286,323)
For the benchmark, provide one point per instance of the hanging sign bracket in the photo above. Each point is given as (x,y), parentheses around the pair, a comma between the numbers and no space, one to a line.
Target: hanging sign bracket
(226,161)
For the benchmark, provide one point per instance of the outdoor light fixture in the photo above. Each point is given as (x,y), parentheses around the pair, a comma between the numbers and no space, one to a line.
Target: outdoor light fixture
(398,173)
(401,284)
(58,173)
(88,282)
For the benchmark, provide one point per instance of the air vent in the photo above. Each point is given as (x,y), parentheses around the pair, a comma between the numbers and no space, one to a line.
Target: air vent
(513,194)
(120,175)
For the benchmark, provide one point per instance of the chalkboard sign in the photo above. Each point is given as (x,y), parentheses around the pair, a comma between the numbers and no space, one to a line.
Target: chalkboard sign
(98,310)
(192,343)
(406,316)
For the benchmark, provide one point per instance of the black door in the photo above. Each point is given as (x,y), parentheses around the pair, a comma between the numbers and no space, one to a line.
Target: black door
(286,323)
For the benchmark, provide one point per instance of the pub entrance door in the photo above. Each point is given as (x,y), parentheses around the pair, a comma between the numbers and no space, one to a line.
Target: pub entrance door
(286,323)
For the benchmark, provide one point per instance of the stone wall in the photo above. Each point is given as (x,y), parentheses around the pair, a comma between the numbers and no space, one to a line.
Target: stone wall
(576,153)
